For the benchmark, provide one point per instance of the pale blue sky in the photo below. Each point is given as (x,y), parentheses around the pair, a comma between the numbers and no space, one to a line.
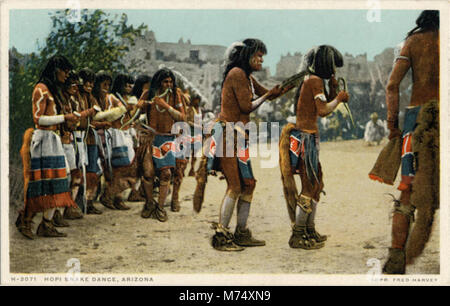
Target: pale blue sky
(282,31)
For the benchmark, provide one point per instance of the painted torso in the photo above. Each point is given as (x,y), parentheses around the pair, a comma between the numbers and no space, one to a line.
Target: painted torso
(237,96)
(307,112)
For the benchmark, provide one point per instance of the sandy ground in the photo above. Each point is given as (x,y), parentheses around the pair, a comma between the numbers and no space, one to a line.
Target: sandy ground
(355,214)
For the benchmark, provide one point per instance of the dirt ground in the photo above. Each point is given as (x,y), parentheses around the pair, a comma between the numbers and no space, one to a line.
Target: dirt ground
(355,214)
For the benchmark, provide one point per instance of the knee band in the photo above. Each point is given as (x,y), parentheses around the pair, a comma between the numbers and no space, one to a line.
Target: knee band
(406,210)
(305,203)
(234,193)
(247,190)
(246,197)
(164,183)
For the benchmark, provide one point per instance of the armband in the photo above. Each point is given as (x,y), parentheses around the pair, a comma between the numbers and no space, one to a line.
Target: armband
(110,115)
(321,97)
(132,100)
(401,57)
(51,120)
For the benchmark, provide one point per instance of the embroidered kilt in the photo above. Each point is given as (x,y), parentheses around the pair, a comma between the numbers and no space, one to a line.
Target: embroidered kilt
(182,147)
(163,152)
(305,147)
(80,148)
(94,163)
(69,152)
(214,149)
(48,186)
(244,162)
(122,151)
(408,158)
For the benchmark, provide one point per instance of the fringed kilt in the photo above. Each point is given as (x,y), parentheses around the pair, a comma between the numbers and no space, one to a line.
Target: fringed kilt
(305,147)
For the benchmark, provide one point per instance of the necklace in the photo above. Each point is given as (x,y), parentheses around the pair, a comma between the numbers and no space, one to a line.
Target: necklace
(161,111)
(167,100)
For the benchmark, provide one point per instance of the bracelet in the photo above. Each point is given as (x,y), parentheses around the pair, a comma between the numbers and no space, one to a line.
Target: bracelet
(174,112)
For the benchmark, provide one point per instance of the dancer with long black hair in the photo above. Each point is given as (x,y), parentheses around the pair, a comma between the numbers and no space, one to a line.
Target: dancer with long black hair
(46,181)
(241,95)
(299,143)
(419,184)
(165,109)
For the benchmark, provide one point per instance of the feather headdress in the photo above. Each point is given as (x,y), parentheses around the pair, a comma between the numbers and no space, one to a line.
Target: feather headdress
(231,51)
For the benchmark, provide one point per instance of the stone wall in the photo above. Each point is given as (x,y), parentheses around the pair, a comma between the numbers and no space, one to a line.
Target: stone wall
(187,52)
(200,64)
(288,65)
